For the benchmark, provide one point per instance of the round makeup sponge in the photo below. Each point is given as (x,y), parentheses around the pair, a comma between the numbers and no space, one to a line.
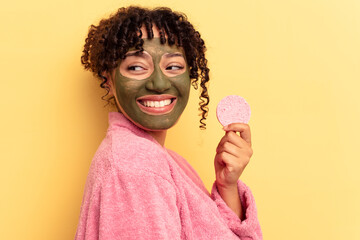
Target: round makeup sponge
(233,109)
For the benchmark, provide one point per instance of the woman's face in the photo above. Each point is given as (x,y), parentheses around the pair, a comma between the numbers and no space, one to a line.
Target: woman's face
(152,87)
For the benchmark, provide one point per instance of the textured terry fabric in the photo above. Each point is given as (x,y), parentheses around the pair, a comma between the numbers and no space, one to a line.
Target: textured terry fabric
(137,189)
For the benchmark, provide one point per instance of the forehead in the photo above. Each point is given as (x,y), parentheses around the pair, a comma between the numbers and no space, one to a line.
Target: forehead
(154,44)
(154,47)
(154,29)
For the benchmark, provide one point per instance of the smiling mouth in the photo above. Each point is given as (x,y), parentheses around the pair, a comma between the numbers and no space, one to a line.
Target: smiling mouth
(156,104)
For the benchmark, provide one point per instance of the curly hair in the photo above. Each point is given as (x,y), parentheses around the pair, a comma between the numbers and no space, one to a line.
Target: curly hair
(108,43)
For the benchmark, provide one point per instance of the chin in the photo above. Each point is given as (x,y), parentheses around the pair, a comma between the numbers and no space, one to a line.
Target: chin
(154,128)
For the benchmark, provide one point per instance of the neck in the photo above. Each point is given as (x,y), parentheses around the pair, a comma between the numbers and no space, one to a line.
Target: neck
(159,136)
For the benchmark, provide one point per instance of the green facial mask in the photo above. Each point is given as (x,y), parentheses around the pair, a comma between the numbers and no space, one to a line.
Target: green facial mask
(157,101)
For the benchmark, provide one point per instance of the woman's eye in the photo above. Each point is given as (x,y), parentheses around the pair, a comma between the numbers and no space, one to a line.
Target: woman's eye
(135,68)
(174,67)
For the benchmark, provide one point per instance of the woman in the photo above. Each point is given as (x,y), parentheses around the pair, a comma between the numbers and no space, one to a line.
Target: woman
(136,188)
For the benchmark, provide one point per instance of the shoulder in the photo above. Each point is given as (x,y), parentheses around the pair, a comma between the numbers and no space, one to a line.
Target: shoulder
(130,152)
(184,164)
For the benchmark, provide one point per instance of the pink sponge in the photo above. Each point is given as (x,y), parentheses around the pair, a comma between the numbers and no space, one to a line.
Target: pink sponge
(233,109)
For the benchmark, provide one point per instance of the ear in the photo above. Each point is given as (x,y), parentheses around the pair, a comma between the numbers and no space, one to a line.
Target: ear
(109,82)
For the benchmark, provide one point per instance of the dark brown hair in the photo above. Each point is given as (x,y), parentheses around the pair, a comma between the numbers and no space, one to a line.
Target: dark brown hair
(108,43)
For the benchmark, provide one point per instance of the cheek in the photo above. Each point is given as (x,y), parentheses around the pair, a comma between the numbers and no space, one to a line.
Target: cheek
(183,84)
(131,87)
(126,88)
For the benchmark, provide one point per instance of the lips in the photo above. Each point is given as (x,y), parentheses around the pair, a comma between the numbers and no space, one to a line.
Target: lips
(156,104)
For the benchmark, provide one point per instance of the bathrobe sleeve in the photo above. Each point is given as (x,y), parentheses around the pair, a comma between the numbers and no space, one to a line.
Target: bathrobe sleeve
(135,205)
(247,229)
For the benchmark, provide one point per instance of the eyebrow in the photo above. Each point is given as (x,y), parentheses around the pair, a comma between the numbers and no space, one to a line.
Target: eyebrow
(136,54)
(170,55)
(143,55)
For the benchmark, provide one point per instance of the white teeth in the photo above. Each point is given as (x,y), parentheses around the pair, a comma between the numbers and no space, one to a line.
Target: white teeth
(161,103)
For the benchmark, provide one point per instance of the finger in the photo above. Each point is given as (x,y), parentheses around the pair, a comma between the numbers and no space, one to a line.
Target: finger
(225,159)
(229,148)
(235,139)
(224,139)
(242,128)
(239,154)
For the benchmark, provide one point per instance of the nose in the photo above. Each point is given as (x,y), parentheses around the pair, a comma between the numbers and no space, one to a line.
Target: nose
(158,82)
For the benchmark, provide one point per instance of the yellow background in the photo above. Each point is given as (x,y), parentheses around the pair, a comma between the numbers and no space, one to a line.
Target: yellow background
(296,63)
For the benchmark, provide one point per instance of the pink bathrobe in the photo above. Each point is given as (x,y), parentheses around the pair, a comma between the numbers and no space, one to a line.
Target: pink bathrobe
(137,189)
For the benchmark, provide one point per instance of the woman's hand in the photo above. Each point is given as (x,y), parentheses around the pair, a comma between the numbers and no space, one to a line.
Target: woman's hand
(232,154)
